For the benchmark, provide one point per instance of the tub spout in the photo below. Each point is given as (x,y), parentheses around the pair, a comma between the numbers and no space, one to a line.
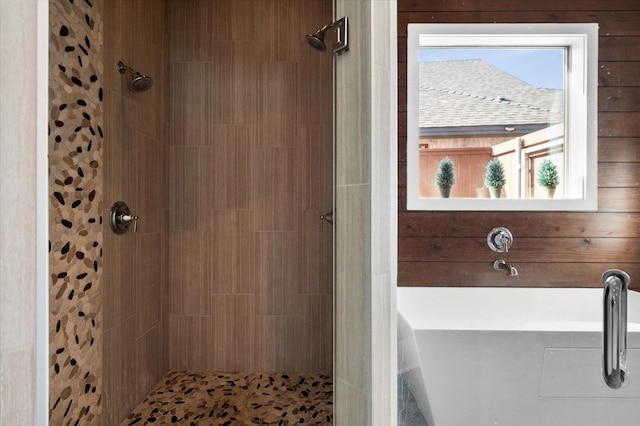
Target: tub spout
(501,266)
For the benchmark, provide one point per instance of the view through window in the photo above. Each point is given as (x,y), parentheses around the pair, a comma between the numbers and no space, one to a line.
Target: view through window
(481,104)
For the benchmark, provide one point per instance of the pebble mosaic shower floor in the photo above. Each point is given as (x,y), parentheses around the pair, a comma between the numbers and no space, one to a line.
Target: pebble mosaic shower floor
(226,399)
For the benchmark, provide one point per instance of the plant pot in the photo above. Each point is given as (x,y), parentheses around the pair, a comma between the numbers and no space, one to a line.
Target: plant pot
(495,191)
(444,191)
(550,191)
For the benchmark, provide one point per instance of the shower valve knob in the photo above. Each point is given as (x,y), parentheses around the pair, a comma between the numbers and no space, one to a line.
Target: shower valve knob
(120,218)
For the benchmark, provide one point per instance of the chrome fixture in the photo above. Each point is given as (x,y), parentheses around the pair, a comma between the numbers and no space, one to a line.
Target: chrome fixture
(614,335)
(499,239)
(139,82)
(120,218)
(501,266)
(327,217)
(341,43)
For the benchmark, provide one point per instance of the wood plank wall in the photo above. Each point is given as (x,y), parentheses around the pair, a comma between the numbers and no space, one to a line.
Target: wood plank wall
(550,249)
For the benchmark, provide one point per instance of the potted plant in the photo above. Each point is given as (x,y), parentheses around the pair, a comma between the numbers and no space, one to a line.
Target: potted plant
(495,179)
(445,176)
(548,177)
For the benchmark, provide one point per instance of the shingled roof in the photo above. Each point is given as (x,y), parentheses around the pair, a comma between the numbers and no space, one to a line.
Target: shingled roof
(473,93)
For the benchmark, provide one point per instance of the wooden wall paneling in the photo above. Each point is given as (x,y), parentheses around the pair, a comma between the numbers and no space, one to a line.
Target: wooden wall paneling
(619,150)
(619,124)
(518,6)
(618,49)
(482,274)
(618,200)
(619,25)
(618,99)
(620,74)
(568,249)
(546,224)
(618,175)
(465,249)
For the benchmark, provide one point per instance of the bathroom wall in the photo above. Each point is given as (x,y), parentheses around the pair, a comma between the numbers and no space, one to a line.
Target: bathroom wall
(365,221)
(75,200)
(18,66)
(384,194)
(250,174)
(135,151)
(562,249)
(352,383)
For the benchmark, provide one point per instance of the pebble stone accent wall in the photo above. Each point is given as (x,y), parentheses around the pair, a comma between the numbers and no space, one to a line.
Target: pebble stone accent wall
(75,225)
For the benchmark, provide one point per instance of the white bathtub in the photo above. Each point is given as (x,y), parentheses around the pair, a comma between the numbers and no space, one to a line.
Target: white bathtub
(513,357)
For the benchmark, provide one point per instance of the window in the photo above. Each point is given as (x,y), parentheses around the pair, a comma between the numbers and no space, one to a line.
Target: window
(524,94)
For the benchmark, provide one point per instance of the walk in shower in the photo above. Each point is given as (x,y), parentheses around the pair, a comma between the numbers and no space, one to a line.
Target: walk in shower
(247,174)
(216,132)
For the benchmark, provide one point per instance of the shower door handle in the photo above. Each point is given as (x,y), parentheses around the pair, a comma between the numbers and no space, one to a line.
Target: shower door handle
(327,217)
(614,335)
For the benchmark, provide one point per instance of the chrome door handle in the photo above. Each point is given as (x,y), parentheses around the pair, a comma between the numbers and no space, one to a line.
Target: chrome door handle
(614,328)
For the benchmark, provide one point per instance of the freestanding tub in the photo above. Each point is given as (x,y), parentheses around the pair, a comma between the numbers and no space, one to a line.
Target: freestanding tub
(513,357)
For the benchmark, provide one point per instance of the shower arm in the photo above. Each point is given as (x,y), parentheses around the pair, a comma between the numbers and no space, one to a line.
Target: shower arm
(614,335)
(326,27)
(122,68)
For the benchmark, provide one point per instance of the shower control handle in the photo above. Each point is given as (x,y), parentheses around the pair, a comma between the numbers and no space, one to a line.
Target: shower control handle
(499,239)
(120,218)
(128,218)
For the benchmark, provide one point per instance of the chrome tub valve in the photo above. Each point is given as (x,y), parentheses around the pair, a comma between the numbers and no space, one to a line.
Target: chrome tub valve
(500,239)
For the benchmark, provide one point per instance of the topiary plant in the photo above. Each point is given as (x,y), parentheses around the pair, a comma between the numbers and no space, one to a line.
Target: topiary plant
(548,174)
(495,174)
(446,174)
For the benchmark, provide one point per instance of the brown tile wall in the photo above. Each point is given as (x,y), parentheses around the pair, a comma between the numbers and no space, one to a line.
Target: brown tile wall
(250,173)
(75,188)
(136,266)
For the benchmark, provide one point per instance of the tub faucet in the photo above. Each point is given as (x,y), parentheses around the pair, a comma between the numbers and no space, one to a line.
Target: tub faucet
(500,265)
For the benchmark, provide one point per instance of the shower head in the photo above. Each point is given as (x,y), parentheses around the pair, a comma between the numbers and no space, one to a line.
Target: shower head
(316,40)
(139,82)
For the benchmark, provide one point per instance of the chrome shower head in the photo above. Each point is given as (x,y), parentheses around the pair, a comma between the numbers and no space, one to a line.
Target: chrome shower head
(139,82)
(316,40)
